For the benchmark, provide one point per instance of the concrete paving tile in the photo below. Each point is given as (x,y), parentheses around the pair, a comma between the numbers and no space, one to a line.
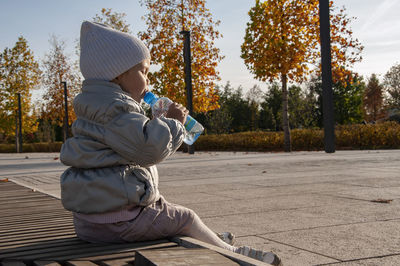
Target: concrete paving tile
(294,164)
(367,193)
(283,202)
(52,189)
(290,255)
(252,223)
(16,164)
(194,197)
(209,172)
(377,182)
(286,190)
(206,188)
(387,261)
(346,242)
(284,179)
(206,179)
(334,212)
(362,211)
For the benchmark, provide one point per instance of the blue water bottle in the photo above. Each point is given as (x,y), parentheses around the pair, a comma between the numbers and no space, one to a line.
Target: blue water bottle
(159,107)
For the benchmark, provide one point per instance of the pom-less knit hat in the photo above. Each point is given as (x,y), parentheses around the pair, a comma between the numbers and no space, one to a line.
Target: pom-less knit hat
(106,53)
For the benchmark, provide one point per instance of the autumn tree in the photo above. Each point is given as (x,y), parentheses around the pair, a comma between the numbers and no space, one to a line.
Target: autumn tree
(273,102)
(57,68)
(282,43)
(300,108)
(219,121)
(373,99)
(348,99)
(254,98)
(19,73)
(392,83)
(300,111)
(165,20)
(113,19)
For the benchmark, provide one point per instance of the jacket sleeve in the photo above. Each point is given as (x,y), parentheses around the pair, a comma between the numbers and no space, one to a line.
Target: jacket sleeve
(143,141)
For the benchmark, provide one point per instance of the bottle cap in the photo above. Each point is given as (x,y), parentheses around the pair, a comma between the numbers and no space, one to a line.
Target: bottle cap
(149,97)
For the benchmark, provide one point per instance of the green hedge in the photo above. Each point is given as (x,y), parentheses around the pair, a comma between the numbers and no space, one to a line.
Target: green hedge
(379,136)
(32,147)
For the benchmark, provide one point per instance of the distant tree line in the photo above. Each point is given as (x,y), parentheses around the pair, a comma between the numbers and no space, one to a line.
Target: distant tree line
(355,101)
(221,108)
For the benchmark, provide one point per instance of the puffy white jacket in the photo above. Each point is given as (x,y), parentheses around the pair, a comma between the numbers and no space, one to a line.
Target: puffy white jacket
(114,151)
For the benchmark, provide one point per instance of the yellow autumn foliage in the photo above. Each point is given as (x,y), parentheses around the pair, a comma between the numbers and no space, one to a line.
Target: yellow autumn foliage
(355,137)
(19,73)
(282,38)
(165,20)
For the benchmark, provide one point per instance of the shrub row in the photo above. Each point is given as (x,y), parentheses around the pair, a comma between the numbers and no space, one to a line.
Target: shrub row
(379,136)
(32,147)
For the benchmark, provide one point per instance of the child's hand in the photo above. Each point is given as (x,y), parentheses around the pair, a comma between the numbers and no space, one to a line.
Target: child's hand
(178,112)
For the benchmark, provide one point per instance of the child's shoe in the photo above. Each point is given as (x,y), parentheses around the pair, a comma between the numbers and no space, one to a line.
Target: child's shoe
(263,256)
(227,237)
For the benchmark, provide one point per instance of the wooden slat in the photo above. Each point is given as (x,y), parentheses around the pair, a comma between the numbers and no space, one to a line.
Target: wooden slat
(19,206)
(128,253)
(79,263)
(4,229)
(119,262)
(35,230)
(24,219)
(189,242)
(12,196)
(12,263)
(37,235)
(42,245)
(37,253)
(195,256)
(25,208)
(128,259)
(36,214)
(101,253)
(32,241)
(36,210)
(46,263)
(11,185)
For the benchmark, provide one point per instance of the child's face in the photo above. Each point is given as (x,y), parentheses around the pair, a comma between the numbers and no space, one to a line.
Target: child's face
(135,81)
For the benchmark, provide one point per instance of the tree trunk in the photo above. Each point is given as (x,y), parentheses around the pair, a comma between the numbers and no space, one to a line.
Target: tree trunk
(285,119)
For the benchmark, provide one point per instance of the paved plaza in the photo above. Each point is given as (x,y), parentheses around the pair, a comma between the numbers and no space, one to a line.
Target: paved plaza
(312,208)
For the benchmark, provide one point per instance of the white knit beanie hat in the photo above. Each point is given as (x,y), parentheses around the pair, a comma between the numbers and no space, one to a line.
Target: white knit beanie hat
(106,53)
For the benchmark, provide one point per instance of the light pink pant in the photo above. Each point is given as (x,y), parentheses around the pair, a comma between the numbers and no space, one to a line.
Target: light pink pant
(159,220)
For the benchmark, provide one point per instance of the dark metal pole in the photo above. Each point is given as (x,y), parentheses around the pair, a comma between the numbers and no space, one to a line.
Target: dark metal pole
(327,93)
(66,125)
(20,124)
(16,132)
(188,77)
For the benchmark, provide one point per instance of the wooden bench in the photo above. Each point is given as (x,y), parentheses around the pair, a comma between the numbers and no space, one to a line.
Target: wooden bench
(35,230)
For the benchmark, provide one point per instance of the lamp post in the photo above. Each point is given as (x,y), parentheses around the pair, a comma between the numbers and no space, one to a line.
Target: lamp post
(327,93)
(18,126)
(188,77)
(66,125)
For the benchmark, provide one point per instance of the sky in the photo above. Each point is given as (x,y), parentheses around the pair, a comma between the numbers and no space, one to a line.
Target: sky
(377,27)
